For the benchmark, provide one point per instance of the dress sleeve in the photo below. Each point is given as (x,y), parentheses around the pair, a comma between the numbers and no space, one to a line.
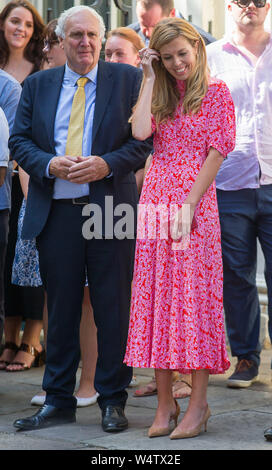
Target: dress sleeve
(221,128)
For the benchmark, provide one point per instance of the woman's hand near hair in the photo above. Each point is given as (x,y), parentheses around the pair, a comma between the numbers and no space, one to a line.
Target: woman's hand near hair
(141,118)
(147,56)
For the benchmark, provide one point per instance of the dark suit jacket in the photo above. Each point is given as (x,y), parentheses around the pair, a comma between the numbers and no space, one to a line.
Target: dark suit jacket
(208,38)
(32,140)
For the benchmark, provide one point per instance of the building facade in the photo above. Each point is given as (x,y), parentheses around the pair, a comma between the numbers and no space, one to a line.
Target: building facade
(114,12)
(211,15)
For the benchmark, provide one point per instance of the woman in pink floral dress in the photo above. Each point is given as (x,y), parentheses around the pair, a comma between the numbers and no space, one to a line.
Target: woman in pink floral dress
(176,321)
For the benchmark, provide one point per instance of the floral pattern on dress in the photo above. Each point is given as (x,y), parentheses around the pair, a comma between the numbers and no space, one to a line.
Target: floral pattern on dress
(25,269)
(176,318)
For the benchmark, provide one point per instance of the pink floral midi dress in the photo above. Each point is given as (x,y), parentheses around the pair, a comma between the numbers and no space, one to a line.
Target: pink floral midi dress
(176,318)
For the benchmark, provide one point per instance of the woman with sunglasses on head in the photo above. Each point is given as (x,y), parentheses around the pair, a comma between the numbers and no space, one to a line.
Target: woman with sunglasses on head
(54,55)
(21,43)
(176,320)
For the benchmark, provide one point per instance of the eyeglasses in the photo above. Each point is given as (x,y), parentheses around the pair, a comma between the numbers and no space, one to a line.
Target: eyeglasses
(246,3)
(49,44)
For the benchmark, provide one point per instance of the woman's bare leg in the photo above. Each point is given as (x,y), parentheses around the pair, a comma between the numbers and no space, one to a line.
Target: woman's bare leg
(166,404)
(12,327)
(31,337)
(197,407)
(88,347)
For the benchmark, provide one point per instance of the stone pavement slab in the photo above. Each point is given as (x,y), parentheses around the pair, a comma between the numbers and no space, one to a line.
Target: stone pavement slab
(239,418)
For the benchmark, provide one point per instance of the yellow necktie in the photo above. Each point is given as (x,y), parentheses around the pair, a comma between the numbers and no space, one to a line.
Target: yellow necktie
(76,123)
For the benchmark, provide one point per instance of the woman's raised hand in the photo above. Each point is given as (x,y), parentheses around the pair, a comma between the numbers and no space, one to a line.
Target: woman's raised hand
(147,56)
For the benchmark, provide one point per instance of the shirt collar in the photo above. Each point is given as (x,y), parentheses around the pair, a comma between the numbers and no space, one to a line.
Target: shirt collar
(71,77)
(228,40)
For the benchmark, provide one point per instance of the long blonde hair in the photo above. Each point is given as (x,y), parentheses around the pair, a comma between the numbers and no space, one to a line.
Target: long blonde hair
(166,95)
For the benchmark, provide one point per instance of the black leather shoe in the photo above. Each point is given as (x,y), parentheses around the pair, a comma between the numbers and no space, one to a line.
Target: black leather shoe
(47,416)
(268,434)
(114,419)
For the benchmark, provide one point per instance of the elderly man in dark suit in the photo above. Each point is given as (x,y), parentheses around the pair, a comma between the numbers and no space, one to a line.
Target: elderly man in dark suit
(150,12)
(73,137)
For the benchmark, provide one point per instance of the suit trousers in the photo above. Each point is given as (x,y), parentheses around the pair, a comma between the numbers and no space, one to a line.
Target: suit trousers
(245,216)
(65,257)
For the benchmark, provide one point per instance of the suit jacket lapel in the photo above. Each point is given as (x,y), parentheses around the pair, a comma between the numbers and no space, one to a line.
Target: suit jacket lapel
(103,94)
(54,88)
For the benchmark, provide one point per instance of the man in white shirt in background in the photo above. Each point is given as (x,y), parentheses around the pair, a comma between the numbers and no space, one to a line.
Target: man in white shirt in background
(244,183)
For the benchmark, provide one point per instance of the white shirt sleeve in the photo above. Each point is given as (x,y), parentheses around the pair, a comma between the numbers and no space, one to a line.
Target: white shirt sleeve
(4,137)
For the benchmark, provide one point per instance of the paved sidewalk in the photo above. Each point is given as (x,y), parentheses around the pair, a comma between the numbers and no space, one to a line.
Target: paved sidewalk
(239,418)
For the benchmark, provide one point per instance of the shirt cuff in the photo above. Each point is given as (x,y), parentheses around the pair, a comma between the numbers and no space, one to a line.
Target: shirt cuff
(47,174)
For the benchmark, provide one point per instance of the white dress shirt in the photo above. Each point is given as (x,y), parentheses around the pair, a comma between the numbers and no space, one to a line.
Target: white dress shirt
(65,189)
(250,164)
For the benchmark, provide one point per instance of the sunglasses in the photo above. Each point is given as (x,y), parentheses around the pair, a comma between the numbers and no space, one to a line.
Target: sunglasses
(49,44)
(246,3)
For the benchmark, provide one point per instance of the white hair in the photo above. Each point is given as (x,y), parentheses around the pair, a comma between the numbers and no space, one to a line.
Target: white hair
(60,28)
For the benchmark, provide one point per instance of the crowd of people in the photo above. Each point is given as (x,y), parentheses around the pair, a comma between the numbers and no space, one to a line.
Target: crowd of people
(172,130)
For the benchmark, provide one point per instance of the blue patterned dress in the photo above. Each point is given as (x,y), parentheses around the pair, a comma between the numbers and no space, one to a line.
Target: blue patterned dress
(25,269)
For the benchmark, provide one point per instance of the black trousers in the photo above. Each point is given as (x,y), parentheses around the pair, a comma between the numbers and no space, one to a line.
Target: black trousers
(65,256)
(245,216)
(4,228)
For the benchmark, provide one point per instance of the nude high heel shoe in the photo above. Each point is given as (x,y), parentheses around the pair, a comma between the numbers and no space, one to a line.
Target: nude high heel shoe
(157,432)
(176,434)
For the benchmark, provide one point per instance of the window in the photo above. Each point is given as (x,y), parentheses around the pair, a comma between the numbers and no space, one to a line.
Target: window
(53,8)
